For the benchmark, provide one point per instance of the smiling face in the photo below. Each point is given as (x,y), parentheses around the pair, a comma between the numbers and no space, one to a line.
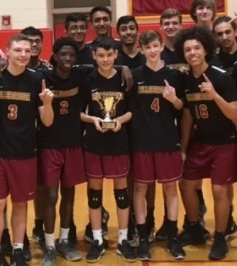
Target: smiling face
(36,45)
(101,23)
(65,58)
(152,50)
(171,26)
(77,31)
(105,58)
(204,14)
(128,33)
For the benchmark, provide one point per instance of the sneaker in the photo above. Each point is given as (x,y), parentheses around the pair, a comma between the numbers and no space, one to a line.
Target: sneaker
(132,237)
(17,258)
(6,246)
(161,234)
(127,252)
(38,236)
(231,228)
(26,249)
(151,235)
(72,235)
(191,237)
(219,249)
(105,220)
(49,256)
(201,212)
(206,233)
(143,252)
(95,252)
(3,261)
(88,236)
(176,249)
(66,250)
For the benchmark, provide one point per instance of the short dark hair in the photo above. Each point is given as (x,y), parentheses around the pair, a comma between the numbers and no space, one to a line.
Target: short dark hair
(200,33)
(169,13)
(63,41)
(17,38)
(106,43)
(74,17)
(223,19)
(32,31)
(125,20)
(100,8)
(196,3)
(149,36)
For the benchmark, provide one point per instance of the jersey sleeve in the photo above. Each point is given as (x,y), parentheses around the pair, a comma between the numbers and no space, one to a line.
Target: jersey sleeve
(228,87)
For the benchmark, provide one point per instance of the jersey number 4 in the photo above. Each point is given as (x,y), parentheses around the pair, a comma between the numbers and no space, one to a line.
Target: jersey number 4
(13,112)
(155,105)
(201,111)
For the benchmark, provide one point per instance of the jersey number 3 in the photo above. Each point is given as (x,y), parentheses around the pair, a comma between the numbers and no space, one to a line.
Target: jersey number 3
(155,105)
(12,115)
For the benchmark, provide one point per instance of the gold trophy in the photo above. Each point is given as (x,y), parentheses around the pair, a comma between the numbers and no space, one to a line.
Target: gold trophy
(108,123)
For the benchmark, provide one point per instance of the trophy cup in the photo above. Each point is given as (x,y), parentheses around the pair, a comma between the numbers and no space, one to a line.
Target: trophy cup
(107,122)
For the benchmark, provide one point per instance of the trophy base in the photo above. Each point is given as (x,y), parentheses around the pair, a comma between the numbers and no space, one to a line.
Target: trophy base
(108,125)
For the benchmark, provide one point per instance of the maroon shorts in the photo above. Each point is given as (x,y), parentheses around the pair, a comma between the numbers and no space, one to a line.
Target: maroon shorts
(64,166)
(100,166)
(19,178)
(164,167)
(215,161)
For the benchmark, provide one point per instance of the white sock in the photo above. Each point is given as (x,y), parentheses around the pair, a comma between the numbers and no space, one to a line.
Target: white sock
(97,235)
(63,234)
(49,240)
(17,246)
(122,235)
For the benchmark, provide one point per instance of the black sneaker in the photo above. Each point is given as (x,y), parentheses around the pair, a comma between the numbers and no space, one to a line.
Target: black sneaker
(127,252)
(161,234)
(3,261)
(143,252)
(88,236)
(26,249)
(49,256)
(201,212)
(6,246)
(132,236)
(17,258)
(105,220)
(72,235)
(176,249)
(192,237)
(95,252)
(231,228)
(219,249)
(38,236)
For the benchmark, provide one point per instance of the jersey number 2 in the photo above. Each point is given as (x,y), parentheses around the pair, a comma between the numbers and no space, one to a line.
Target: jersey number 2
(155,105)
(64,107)
(12,115)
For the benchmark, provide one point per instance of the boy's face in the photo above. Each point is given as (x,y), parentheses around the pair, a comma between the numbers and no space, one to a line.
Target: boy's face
(36,45)
(152,50)
(105,58)
(65,58)
(19,53)
(204,14)
(77,31)
(194,52)
(171,26)
(101,23)
(128,33)
(225,35)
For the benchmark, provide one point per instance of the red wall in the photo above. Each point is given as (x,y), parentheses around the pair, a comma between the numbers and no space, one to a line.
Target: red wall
(59,32)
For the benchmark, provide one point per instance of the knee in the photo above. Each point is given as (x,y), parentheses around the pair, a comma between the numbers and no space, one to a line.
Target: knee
(170,189)
(121,198)
(219,192)
(140,189)
(52,197)
(94,198)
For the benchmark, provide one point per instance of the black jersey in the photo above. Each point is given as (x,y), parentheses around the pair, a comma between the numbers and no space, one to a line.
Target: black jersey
(227,60)
(171,59)
(132,62)
(212,127)
(66,130)
(97,89)
(153,127)
(19,103)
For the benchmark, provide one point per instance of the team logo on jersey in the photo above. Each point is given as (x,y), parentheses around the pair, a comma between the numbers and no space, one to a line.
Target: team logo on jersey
(199,96)
(15,95)
(150,89)
(65,93)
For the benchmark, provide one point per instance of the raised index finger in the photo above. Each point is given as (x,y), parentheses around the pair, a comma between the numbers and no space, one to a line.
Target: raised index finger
(166,83)
(206,78)
(43,85)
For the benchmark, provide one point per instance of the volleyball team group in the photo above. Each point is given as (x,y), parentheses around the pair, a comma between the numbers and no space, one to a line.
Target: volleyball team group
(137,110)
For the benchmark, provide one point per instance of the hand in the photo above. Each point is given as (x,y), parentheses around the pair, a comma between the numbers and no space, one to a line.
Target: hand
(46,63)
(127,77)
(184,70)
(118,125)
(97,122)
(234,19)
(208,88)
(3,65)
(169,92)
(46,95)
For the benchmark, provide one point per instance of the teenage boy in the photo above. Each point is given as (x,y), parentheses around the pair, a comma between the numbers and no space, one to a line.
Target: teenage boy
(20,95)
(155,139)
(211,104)
(106,150)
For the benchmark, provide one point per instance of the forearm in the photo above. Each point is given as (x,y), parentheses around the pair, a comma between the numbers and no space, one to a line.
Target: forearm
(229,109)
(186,130)
(124,118)
(178,104)
(47,115)
(87,118)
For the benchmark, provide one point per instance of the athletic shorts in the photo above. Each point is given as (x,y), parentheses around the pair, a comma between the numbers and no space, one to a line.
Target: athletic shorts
(64,166)
(215,161)
(165,167)
(111,167)
(18,178)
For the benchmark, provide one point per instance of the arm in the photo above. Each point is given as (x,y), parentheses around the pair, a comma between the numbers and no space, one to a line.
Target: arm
(92,120)
(127,77)
(46,111)
(121,120)
(170,95)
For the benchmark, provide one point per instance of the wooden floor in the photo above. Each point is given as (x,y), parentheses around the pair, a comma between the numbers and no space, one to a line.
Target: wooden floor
(160,256)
